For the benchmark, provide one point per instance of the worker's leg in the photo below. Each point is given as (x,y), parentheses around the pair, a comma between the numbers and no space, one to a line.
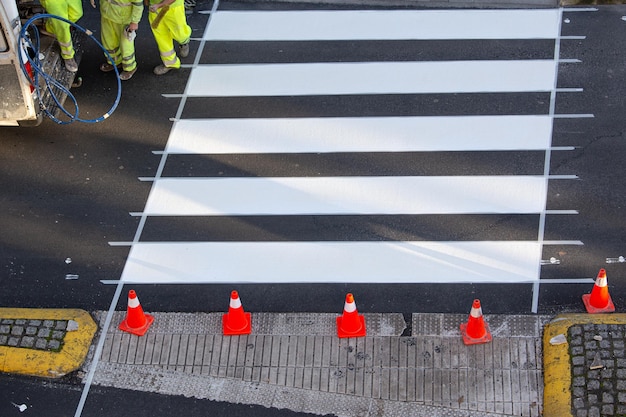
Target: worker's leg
(111,40)
(59,28)
(164,40)
(74,10)
(181,31)
(127,48)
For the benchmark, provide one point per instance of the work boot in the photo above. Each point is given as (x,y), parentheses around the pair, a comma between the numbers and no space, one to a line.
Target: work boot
(184,50)
(71,65)
(106,67)
(162,69)
(127,75)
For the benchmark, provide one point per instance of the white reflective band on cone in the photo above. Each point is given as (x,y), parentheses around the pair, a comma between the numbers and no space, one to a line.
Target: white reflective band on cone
(235,303)
(133,302)
(476,312)
(350,307)
(601,282)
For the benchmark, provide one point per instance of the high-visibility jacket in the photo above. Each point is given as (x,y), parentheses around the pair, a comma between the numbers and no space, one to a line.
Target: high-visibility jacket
(122,11)
(71,10)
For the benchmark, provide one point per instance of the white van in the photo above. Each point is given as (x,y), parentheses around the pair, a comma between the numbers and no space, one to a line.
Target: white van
(19,104)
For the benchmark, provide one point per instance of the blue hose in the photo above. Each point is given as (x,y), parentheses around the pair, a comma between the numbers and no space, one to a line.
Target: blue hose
(31,50)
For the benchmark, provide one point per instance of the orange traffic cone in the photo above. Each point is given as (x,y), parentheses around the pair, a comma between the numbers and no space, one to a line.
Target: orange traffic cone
(475,331)
(351,323)
(136,322)
(236,321)
(599,301)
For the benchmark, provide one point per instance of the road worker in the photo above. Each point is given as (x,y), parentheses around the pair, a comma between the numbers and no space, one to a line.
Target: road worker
(169,23)
(71,10)
(119,21)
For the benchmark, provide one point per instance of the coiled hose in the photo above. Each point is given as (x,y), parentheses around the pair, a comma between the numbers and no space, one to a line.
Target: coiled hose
(30,43)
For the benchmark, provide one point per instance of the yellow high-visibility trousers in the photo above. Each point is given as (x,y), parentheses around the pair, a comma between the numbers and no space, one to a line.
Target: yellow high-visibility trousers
(71,10)
(117,44)
(173,27)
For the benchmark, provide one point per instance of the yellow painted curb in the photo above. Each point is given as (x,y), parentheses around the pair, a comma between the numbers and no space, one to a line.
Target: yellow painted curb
(48,364)
(557,374)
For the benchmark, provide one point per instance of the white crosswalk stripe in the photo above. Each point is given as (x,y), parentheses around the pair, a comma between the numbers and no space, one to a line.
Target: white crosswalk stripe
(372,78)
(384,24)
(361,134)
(408,261)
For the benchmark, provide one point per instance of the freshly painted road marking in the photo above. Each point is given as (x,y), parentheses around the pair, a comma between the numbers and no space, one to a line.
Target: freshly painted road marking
(361,134)
(318,262)
(372,78)
(384,24)
(346,195)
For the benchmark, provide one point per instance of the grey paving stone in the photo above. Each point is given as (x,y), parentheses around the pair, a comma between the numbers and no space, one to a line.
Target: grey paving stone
(17,330)
(27,342)
(54,345)
(608,410)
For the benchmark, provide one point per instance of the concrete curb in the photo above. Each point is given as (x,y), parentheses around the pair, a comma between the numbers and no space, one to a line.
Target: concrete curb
(41,362)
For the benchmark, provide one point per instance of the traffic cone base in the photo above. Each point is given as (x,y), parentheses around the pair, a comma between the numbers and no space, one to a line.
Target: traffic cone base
(469,340)
(609,308)
(360,331)
(599,301)
(139,331)
(228,329)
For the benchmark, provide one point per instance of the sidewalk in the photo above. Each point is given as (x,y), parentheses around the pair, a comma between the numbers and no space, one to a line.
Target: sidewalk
(296,361)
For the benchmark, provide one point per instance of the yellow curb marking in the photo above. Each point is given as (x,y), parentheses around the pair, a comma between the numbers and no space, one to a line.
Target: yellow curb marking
(47,364)
(557,375)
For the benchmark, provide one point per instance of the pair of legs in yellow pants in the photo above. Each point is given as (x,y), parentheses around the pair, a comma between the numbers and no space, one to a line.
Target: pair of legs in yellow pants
(121,49)
(71,10)
(172,27)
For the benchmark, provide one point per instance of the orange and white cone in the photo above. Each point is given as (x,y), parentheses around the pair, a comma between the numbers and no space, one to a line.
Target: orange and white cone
(476,330)
(236,321)
(351,323)
(599,301)
(136,321)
